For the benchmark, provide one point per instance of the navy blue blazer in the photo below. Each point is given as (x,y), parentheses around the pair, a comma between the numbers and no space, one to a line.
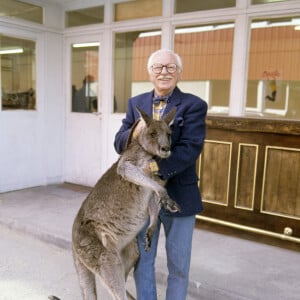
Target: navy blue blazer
(188,133)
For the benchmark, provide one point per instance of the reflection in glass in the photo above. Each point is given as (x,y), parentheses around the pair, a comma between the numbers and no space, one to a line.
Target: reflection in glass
(273,74)
(132,50)
(18,73)
(136,9)
(85,77)
(21,10)
(206,52)
(182,6)
(86,16)
(267,1)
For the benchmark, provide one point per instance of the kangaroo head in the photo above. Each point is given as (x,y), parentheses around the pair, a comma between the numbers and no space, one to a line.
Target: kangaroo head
(155,137)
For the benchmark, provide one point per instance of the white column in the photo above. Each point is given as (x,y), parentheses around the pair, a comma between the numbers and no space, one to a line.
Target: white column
(239,66)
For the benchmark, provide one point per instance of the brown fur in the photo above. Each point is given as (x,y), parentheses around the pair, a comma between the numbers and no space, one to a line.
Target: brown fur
(105,229)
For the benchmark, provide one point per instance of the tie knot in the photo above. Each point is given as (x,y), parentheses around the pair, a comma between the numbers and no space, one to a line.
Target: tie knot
(159,99)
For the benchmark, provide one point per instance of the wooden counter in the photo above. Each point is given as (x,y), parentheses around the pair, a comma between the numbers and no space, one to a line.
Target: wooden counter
(250,175)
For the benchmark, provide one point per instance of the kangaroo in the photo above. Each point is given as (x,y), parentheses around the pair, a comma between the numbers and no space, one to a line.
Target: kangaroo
(105,228)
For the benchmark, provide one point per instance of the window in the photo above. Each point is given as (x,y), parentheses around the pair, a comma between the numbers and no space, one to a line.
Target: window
(86,16)
(182,6)
(20,10)
(18,73)
(273,73)
(136,9)
(267,1)
(132,50)
(206,53)
(85,77)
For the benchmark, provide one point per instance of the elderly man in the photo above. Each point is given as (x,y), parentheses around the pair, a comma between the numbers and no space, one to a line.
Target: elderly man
(179,170)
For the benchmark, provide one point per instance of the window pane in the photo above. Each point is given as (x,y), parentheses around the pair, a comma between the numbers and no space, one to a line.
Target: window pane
(87,16)
(132,50)
(136,9)
(21,10)
(182,6)
(267,1)
(18,73)
(273,76)
(85,77)
(206,53)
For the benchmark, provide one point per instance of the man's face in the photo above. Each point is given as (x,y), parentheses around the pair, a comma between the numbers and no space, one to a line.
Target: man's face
(165,81)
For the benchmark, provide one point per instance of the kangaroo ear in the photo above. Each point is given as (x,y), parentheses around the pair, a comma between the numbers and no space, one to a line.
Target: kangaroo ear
(144,116)
(170,116)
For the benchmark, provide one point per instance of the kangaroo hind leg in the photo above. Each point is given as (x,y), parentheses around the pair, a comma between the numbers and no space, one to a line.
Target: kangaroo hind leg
(130,255)
(112,273)
(86,280)
(86,251)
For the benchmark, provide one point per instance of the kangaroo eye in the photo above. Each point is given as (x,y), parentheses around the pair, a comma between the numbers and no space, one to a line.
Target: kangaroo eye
(153,134)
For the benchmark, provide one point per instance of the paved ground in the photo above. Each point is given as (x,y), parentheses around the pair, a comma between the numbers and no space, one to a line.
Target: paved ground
(31,269)
(36,261)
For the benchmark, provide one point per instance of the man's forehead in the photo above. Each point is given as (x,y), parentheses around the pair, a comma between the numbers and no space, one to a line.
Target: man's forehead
(163,57)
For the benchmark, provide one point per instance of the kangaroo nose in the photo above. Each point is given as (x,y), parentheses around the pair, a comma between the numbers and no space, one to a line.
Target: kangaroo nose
(165,149)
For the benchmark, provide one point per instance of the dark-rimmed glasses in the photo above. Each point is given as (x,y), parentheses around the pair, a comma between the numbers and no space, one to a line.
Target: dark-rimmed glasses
(157,68)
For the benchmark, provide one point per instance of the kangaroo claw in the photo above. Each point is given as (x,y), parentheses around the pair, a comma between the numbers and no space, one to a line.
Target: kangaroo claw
(170,205)
(147,242)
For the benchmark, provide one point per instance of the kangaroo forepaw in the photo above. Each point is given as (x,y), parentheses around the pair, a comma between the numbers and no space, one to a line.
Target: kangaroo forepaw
(170,205)
(148,238)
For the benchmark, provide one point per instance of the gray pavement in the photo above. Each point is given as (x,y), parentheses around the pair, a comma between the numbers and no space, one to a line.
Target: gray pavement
(36,261)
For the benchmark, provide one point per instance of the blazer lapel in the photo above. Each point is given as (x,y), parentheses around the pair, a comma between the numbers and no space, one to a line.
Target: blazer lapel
(174,100)
(145,103)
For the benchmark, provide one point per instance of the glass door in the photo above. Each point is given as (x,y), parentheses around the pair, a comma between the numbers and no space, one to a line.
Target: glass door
(83,111)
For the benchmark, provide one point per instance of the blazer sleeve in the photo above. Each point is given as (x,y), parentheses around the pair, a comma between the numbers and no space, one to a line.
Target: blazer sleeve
(189,129)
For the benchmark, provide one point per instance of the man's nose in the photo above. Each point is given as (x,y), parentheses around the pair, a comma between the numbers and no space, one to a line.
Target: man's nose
(164,70)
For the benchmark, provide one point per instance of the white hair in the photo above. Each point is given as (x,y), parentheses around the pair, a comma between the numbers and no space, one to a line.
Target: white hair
(151,58)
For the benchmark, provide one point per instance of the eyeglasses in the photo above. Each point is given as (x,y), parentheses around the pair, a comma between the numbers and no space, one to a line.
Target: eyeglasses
(157,68)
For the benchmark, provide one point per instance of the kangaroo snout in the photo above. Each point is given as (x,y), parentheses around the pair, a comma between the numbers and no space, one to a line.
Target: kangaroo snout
(165,151)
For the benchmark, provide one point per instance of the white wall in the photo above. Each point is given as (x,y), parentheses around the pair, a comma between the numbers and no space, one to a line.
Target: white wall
(54,108)
(31,141)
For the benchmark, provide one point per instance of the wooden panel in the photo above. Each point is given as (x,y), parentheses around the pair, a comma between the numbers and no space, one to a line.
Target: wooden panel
(273,184)
(214,178)
(281,184)
(246,175)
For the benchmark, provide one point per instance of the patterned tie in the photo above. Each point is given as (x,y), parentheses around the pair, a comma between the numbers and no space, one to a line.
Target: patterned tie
(159,105)
(158,99)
